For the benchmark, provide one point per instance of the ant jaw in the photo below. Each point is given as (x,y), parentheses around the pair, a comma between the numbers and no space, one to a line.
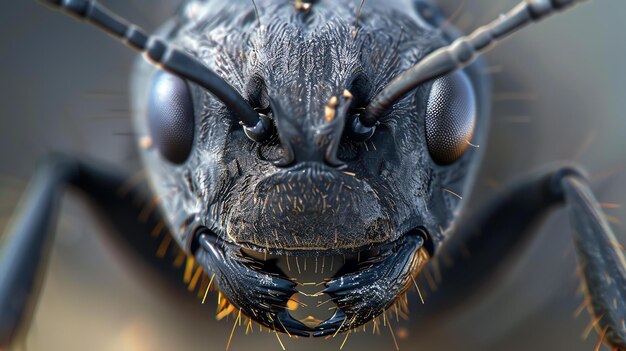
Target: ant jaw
(255,284)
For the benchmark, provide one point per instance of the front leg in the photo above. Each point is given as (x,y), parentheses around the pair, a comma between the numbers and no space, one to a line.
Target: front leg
(601,259)
(26,246)
(481,243)
(29,236)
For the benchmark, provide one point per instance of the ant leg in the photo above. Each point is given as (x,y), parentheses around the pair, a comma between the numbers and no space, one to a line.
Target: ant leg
(29,236)
(601,259)
(481,243)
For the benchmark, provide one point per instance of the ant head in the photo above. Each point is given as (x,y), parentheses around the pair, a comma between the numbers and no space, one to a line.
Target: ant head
(310,130)
(312,169)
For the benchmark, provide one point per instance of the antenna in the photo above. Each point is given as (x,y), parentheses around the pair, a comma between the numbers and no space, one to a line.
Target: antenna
(163,55)
(458,55)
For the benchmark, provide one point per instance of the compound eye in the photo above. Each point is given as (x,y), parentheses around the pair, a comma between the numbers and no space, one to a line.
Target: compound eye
(450,117)
(171,117)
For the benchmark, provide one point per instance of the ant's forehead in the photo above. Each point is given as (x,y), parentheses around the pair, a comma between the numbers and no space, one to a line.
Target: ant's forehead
(293,52)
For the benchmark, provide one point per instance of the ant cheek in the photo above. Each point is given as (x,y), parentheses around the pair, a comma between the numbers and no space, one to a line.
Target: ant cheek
(171,117)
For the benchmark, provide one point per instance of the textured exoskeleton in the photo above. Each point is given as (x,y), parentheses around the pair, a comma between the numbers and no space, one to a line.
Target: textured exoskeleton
(314,129)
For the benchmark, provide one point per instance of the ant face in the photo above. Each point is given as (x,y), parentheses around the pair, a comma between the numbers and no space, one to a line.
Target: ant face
(310,187)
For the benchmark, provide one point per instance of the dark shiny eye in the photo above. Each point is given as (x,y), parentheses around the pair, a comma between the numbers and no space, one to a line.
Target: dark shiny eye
(450,117)
(171,117)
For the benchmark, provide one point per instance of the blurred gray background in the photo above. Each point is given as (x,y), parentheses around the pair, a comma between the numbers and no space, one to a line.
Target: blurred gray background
(560,95)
